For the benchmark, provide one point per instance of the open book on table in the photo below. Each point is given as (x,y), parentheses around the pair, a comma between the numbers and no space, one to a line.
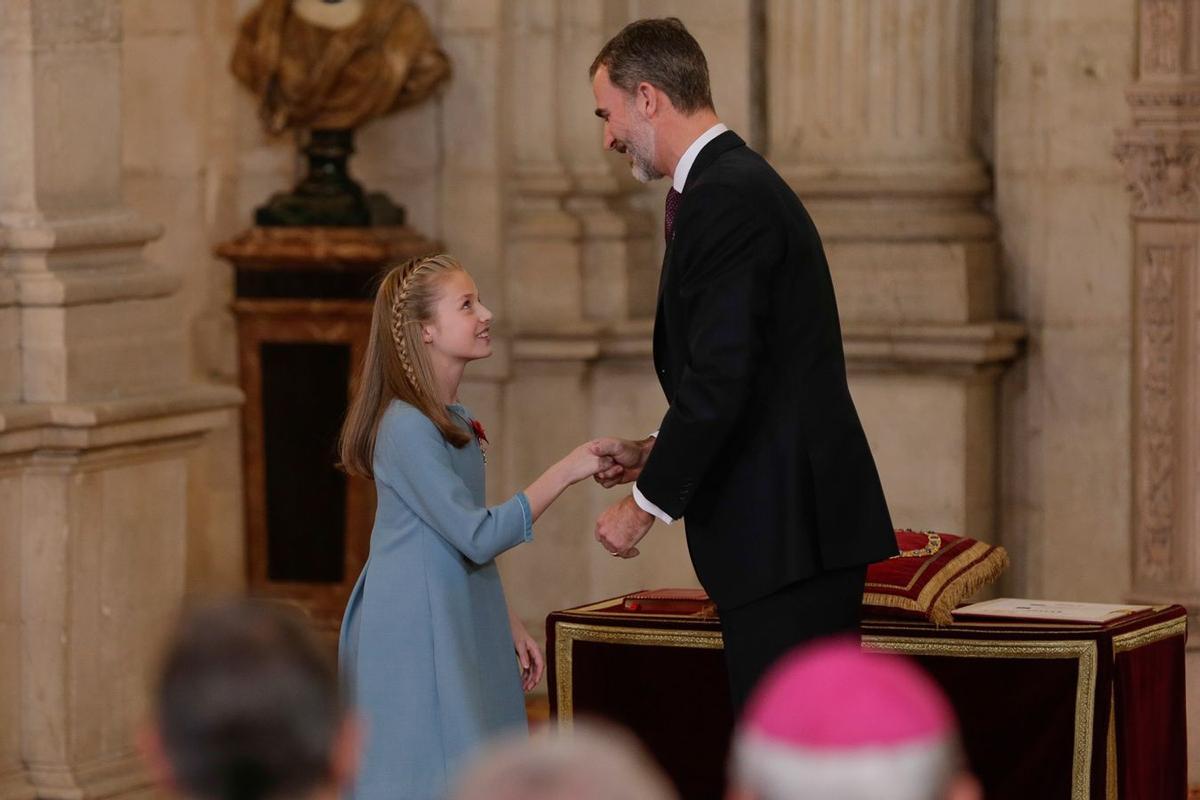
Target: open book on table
(1060,610)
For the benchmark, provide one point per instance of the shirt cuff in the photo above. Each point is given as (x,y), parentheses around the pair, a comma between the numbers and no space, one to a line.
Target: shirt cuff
(649,507)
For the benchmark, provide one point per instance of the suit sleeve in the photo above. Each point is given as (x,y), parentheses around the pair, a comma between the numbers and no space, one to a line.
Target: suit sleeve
(729,249)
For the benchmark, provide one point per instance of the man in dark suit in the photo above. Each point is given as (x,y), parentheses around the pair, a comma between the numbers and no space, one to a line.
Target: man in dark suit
(761,451)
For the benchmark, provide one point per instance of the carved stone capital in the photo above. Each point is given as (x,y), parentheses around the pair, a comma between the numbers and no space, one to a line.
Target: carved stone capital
(1162,168)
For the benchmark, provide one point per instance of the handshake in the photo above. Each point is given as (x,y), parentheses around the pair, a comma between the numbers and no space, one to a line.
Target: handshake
(611,462)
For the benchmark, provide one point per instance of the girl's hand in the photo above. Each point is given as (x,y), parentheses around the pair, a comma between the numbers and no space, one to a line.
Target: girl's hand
(628,459)
(529,656)
(582,462)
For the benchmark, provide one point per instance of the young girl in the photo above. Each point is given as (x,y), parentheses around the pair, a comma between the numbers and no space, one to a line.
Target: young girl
(427,641)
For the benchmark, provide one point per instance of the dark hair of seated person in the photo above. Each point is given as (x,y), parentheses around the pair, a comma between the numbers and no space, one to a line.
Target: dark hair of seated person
(248,706)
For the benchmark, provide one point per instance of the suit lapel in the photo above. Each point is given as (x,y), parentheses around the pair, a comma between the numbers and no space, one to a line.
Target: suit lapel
(658,345)
(662,273)
(708,154)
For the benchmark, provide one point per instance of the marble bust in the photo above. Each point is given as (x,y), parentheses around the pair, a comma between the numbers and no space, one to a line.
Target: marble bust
(335,64)
(322,68)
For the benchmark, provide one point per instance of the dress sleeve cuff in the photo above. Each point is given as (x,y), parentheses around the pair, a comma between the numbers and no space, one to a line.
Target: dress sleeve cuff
(649,507)
(527,516)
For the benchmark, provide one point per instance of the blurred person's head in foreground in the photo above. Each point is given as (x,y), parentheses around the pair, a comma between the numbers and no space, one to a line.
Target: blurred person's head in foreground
(247,707)
(831,721)
(592,761)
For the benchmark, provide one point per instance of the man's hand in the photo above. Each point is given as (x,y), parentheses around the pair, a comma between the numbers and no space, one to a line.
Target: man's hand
(628,456)
(622,526)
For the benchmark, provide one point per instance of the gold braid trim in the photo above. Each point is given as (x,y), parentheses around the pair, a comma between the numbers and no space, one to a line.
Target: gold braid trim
(963,581)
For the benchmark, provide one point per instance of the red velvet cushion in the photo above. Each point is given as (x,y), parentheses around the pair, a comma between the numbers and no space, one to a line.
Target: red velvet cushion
(933,574)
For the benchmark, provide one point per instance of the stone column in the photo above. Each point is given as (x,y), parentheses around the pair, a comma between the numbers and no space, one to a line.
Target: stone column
(1161,155)
(545,410)
(96,415)
(617,252)
(542,247)
(15,68)
(472,177)
(576,229)
(869,118)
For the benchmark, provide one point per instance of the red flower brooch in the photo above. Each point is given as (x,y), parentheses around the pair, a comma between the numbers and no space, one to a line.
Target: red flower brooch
(480,437)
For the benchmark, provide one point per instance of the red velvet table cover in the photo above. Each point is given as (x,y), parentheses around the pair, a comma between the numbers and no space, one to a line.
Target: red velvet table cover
(1047,709)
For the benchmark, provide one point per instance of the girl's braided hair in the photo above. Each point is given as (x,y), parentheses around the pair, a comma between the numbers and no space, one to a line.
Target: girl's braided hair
(401,315)
(396,364)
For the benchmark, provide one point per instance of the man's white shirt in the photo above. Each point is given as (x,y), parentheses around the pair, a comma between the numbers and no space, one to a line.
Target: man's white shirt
(646,505)
(689,156)
(678,181)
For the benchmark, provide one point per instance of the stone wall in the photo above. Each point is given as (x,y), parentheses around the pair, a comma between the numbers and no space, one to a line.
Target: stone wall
(100,417)
(195,162)
(1064,226)
(957,156)
(957,190)
(1159,152)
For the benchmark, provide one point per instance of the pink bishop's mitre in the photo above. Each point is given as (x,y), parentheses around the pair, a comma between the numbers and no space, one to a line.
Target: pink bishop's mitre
(835,696)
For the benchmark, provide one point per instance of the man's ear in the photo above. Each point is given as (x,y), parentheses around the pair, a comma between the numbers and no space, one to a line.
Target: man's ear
(646,98)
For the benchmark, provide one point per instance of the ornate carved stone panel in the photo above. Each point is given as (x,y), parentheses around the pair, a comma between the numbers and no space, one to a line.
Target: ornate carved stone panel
(1161,157)
(1166,46)
(1161,347)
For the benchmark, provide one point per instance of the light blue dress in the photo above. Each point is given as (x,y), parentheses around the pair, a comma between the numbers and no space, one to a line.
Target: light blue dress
(426,651)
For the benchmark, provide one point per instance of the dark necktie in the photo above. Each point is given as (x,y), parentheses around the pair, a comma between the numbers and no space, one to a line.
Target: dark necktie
(669,218)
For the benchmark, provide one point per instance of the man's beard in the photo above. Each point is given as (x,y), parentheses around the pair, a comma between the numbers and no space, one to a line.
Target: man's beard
(640,146)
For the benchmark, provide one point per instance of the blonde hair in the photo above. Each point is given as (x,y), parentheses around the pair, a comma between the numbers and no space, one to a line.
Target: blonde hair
(396,364)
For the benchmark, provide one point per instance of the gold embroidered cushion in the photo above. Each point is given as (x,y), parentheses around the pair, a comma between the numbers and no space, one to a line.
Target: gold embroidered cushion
(932,575)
